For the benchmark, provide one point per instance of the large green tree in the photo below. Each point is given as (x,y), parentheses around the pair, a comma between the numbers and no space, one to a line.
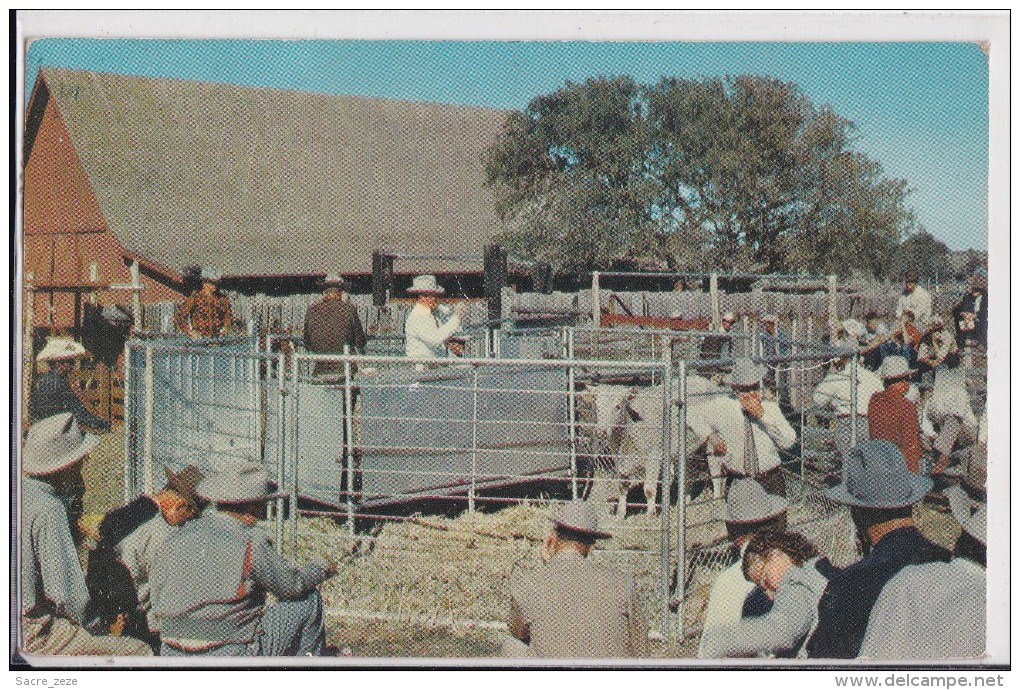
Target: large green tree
(742,173)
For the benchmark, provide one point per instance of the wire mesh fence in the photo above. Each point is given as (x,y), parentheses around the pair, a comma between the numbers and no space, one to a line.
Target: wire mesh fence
(437,479)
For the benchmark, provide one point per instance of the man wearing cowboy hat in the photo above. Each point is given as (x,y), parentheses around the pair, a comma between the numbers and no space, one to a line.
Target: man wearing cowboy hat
(127,539)
(834,393)
(914,299)
(206,312)
(52,393)
(424,336)
(937,610)
(746,429)
(971,313)
(331,324)
(881,494)
(749,510)
(891,416)
(219,608)
(57,615)
(948,416)
(571,607)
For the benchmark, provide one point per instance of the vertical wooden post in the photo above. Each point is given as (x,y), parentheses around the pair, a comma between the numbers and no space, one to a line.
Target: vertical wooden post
(28,359)
(136,294)
(833,316)
(596,306)
(713,291)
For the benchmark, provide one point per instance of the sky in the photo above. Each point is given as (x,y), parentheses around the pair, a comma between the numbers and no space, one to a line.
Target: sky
(920,108)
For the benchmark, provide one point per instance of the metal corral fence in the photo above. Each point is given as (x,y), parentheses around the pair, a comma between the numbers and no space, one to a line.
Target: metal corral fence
(541,424)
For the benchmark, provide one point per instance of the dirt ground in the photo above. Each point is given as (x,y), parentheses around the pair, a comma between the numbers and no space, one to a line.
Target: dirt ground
(397,638)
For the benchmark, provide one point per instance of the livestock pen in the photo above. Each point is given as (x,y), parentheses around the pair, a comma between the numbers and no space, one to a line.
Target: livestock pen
(438,485)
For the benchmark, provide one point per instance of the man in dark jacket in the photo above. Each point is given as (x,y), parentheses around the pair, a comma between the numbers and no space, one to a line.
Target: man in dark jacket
(881,493)
(971,313)
(330,324)
(127,540)
(52,393)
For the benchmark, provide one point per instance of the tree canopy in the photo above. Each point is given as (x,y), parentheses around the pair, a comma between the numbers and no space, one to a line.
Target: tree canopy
(742,173)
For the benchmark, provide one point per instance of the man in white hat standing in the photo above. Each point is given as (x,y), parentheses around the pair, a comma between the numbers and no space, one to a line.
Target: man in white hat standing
(572,608)
(881,494)
(56,612)
(424,335)
(891,416)
(937,610)
(218,607)
(835,393)
(746,429)
(206,312)
(52,393)
(749,510)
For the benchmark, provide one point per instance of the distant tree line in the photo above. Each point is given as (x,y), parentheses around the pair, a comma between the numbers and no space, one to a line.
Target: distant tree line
(734,174)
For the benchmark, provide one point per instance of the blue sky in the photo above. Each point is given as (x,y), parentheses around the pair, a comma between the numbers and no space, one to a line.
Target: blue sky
(921,108)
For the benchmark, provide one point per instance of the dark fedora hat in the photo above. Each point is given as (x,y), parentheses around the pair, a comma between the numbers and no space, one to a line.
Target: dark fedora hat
(875,475)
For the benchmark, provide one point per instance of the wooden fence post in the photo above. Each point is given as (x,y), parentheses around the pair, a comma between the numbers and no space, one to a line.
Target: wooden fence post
(713,291)
(136,295)
(27,361)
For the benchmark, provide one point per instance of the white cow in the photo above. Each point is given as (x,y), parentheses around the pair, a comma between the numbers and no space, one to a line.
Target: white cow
(628,422)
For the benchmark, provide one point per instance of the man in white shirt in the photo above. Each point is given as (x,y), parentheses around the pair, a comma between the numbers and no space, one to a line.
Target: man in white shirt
(834,393)
(948,416)
(914,298)
(747,430)
(749,510)
(425,336)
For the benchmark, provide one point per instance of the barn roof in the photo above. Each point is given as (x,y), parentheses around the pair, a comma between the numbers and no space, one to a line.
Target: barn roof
(258,181)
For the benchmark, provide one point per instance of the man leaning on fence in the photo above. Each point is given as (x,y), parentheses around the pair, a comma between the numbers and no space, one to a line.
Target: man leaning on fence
(219,608)
(331,324)
(57,615)
(425,337)
(835,394)
(206,312)
(747,430)
(571,607)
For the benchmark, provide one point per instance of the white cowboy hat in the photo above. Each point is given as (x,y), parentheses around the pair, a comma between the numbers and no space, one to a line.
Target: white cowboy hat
(333,280)
(895,367)
(236,483)
(579,516)
(745,373)
(875,475)
(55,443)
(729,316)
(211,274)
(60,348)
(854,328)
(747,501)
(425,285)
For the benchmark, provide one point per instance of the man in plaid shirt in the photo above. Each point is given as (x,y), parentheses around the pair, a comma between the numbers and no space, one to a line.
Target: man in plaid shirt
(206,312)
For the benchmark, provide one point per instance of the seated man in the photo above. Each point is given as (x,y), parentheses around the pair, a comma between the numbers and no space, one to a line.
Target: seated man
(881,493)
(571,607)
(948,415)
(127,540)
(891,416)
(749,511)
(56,612)
(219,607)
(835,393)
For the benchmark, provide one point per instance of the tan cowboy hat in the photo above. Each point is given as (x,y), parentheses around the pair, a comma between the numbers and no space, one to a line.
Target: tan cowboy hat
(579,516)
(895,367)
(236,483)
(183,483)
(55,443)
(875,475)
(745,373)
(425,285)
(729,316)
(60,348)
(747,501)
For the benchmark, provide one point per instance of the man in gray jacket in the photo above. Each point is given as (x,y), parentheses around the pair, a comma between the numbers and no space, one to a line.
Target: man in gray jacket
(218,607)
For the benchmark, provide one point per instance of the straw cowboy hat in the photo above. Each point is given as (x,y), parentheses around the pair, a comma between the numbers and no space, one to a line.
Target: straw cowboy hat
(972,515)
(210,274)
(236,483)
(729,316)
(895,367)
(183,483)
(333,280)
(55,443)
(60,348)
(875,475)
(745,373)
(579,516)
(748,502)
(425,285)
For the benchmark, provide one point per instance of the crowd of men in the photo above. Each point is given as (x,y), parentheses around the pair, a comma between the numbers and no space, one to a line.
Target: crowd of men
(142,593)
